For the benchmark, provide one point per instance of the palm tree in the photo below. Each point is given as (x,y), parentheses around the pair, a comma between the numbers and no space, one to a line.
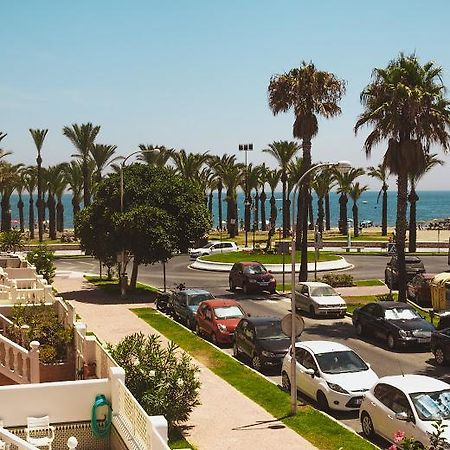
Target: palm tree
(20,205)
(355,193)
(272,178)
(295,171)
(381,173)
(3,152)
(188,165)
(38,138)
(232,178)
(431,160)
(74,177)
(263,196)
(54,180)
(103,156)
(283,152)
(250,181)
(309,92)
(9,176)
(60,188)
(322,184)
(155,155)
(29,179)
(83,137)
(345,181)
(405,105)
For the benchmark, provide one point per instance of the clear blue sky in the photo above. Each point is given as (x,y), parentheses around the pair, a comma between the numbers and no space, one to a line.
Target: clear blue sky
(194,74)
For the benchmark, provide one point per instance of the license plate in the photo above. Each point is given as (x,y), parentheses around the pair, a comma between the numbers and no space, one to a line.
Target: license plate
(263,283)
(423,340)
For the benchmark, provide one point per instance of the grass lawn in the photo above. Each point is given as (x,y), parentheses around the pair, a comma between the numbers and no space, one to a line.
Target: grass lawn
(112,286)
(264,258)
(368,283)
(323,432)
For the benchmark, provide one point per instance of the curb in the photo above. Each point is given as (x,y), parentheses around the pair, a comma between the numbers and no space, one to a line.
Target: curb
(340,264)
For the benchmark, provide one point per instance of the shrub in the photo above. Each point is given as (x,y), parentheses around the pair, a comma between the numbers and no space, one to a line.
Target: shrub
(42,258)
(68,237)
(163,380)
(385,298)
(11,241)
(338,280)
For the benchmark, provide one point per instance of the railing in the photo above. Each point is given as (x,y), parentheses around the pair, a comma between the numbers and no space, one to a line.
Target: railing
(18,364)
(12,441)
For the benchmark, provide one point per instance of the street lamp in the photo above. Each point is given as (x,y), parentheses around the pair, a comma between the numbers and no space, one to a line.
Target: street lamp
(123,275)
(245,148)
(342,166)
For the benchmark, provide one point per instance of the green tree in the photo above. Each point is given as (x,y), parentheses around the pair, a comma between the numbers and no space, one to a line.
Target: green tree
(161,378)
(83,137)
(20,204)
(155,155)
(103,156)
(74,178)
(405,106)
(3,152)
(163,213)
(11,241)
(309,93)
(43,259)
(54,180)
(38,138)
(355,193)
(381,173)
(189,165)
(9,177)
(322,184)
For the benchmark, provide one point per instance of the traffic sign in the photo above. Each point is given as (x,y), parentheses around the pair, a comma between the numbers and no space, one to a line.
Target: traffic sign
(286,325)
(392,248)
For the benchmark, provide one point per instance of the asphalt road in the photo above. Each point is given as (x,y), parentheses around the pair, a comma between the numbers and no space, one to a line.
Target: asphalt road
(383,362)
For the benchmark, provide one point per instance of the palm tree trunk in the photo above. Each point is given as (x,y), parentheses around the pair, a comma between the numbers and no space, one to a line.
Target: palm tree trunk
(219,203)
(262,200)
(412,236)
(39,199)
(75,207)
(134,274)
(6,214)
(400,229)
(60,216)
(210,203)
(303,275)
(51,216)
(327,212)
(20,206)
(273,209)
(343,225)
(311,212)
(256,211)
(86,183)
(285,230)
(288,213)
(384,213)
(232,222)
(355,220)
(320,213)
(247,204)
(31,216)
(299,227)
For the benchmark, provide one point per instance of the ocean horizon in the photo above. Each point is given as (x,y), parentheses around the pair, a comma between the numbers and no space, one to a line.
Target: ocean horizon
(431,205)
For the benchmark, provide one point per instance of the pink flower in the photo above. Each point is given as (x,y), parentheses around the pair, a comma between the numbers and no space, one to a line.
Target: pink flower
(399,436)
(393,447)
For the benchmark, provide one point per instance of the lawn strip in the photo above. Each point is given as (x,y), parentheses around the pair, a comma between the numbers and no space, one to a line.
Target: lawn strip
(112,286)
(323,432)
(368,283)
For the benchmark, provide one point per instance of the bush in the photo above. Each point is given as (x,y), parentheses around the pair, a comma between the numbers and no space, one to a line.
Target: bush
(42,258)
(338,280)
(68,237)
(11,241)
(385,298)
(163,380)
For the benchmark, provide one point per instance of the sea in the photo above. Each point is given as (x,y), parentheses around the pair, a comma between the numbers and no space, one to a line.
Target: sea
(431,205)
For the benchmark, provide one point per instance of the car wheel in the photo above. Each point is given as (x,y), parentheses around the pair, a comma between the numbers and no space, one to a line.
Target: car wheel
(214,339)
(440,356)
(198,330)
(322,401)
(391,342)
(359,329)
(272,291)
(245,288)
(312,311)
(256,363)
(367,425)
(285,382)
(232,286)
(236,352)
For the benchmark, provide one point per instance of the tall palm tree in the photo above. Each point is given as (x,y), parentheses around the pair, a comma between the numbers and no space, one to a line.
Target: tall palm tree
(3,152)
(249,182)
(232,178)
(295,171)
(29,179)
(103,156)
(283,152)
(355,193)
(405,106)
(431,160)
(151,156)
(39,136)
(263,196)
(20,204)
(309,93)
(83,137)
(74,177)
(322,184)
(9,176)
(273,178)
(188,165)
(345,181)
(60,188)
(381,173)
(54,180)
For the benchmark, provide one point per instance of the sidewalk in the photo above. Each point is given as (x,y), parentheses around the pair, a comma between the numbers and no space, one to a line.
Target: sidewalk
(226,419)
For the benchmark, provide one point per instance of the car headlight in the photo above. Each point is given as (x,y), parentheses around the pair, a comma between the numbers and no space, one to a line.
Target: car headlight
(268,354)
(337,388)
(404,334)
(222,327)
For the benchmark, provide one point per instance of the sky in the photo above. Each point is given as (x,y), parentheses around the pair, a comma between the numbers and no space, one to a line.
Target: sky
(194,74)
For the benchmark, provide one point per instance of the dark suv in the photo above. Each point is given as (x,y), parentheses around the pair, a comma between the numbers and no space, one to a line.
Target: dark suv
(251,276)
(414,265)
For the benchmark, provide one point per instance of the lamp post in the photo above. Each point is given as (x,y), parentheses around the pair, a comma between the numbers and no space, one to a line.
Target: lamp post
(245,148)
(123,274)
(343,166)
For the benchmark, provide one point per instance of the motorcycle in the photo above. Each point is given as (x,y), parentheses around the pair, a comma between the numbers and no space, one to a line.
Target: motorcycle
(164,300)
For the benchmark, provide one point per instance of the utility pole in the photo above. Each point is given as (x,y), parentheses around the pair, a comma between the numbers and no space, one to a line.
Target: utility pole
(245,148)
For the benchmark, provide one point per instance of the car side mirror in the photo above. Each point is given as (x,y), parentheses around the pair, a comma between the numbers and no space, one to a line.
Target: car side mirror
(403,416)
(311,372)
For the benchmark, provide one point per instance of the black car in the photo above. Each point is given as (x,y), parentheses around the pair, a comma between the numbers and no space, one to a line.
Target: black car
(440,345)
(261,340)
(414,265)
(395,322)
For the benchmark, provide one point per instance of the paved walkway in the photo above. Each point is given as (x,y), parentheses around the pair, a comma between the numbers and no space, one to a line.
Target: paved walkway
(226,419)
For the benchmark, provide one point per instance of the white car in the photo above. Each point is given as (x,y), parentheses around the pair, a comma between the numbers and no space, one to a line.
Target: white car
(319,299)
(406,403)
(213,247)
(331,373)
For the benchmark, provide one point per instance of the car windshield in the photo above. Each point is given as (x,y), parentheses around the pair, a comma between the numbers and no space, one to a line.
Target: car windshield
(340,362)
(228,312)
(269,330)
(322,291)
(400,314)
(412,260)
(208,245)
(432,405)
(195,299)
(255,270)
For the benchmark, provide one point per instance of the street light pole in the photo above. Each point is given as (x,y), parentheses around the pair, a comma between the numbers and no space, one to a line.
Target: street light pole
(344,166)
(245,148)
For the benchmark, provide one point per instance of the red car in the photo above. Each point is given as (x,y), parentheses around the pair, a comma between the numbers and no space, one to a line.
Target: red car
(251,276)
(217,319)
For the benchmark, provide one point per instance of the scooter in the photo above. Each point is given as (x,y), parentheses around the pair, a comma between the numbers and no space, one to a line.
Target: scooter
(163,303)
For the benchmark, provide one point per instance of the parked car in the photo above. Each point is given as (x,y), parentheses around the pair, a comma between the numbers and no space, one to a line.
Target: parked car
(407,403)
(414,265)
(215,247)
(331,373)
(261,340)
(218,319)
(366,224)
(395,322)
(251,276)
(440,345)
(418,289)
(185,304)
(319,299)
